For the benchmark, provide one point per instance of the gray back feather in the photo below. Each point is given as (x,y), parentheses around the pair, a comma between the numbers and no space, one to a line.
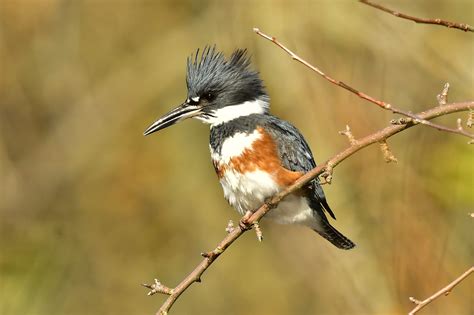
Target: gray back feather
(296,156)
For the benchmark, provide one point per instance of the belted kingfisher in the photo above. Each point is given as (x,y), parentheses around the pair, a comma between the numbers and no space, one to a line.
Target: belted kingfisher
(255,154)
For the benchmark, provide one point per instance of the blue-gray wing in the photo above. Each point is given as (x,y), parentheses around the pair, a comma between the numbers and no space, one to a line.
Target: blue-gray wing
(296,156)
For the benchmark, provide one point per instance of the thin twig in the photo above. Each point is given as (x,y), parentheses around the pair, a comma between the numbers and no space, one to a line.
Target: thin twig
(443,96)
(349,135)
(230,226)
(235,233)
(258,231)
(470,118)
(461,26)
(157,287)
(444,291)
(362,95)
(387,153)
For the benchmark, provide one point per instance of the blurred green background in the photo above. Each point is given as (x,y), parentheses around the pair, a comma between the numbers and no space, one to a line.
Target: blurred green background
(89,208)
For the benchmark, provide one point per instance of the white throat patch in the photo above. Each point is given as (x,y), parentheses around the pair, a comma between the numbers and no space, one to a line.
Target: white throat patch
(229,113)
(234,146)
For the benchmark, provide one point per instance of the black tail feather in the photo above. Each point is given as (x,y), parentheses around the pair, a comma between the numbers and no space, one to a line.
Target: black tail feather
(327,231)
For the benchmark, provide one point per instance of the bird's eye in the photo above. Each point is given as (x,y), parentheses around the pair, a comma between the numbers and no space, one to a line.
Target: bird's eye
(209,96)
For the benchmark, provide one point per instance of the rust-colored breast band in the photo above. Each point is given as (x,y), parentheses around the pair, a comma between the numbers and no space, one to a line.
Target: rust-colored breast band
(263,156)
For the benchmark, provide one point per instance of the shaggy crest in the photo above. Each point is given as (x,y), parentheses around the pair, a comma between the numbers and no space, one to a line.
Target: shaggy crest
(210,71)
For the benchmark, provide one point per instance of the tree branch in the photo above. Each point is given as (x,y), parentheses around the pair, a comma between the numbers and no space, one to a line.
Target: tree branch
(235,233)
(444,291)
(381,104)
(325,170)
(460,26)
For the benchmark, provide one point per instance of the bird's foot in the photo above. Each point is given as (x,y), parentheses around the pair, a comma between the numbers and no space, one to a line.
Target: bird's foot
(245,225)
(244,222)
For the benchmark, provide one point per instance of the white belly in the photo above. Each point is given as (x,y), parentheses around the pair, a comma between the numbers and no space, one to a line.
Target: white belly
(247,192)
(294,209)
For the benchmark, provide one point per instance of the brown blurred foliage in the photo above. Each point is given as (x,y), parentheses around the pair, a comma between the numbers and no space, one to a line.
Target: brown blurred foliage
(89,208)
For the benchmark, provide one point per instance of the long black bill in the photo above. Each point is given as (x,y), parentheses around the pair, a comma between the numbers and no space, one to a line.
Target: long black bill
(179,113)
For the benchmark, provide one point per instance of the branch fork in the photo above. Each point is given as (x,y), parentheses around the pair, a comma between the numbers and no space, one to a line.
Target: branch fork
(158,287)
(349,135)
(327,174)
(401,121)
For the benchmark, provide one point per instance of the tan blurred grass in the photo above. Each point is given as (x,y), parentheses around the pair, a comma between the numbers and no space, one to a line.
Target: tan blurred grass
(90,209)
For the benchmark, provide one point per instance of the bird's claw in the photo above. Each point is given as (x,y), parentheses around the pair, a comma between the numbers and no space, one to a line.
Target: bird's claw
(244,222)
(245,225)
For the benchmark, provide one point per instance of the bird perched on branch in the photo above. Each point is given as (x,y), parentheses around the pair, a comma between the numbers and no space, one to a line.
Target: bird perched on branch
(255,154)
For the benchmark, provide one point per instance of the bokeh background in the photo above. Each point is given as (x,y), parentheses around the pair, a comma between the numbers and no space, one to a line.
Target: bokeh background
(89,208)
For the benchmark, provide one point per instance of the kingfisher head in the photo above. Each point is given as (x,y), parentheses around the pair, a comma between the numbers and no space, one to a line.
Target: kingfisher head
(219,90)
